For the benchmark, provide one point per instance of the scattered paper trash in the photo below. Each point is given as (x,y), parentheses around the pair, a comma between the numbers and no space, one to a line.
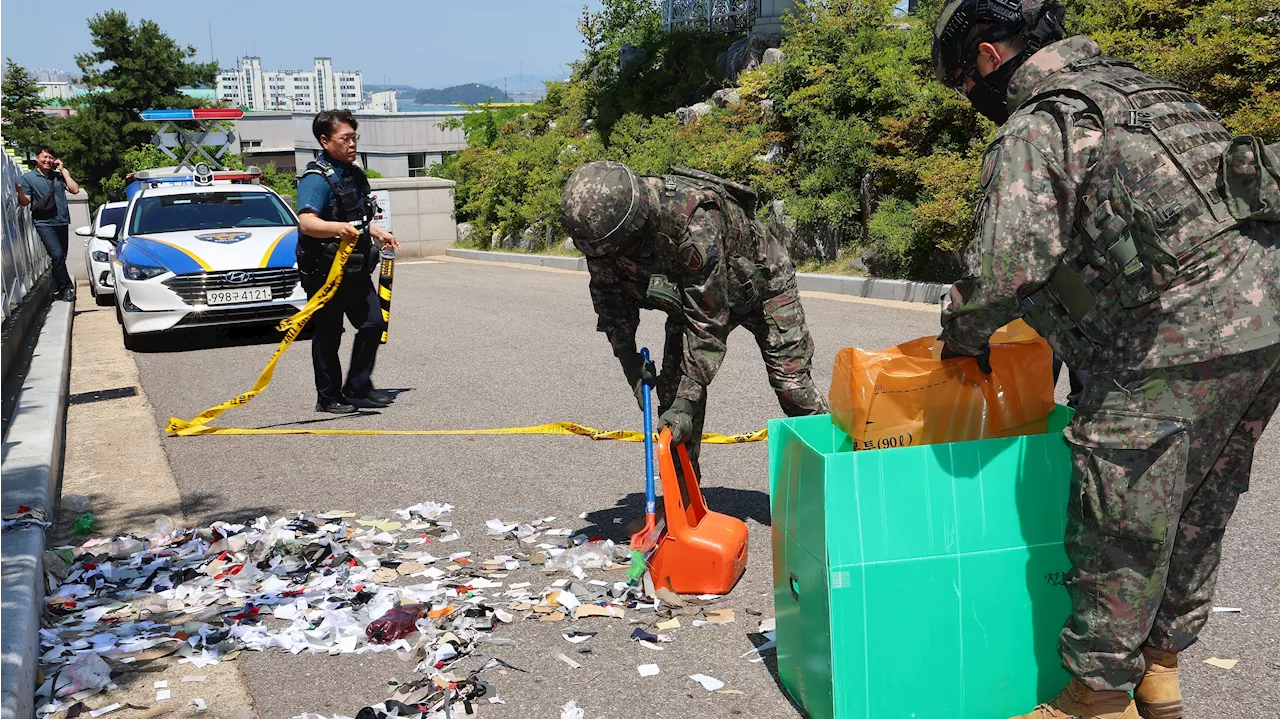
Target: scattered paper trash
(104,710)
(194,679)
(648,670)
(1221,663)
(1227,609)
(162,684)
(198,704)
(672,623)
(571,710)
(577,637)
(711,684)
(164,695)
(572,664)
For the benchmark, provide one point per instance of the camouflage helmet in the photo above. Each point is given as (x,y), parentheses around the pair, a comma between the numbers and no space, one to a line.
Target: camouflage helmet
(1039,21)
(605,206)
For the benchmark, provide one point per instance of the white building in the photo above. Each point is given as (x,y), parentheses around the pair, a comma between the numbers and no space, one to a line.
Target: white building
(321,88)
(383,102)
(56,90)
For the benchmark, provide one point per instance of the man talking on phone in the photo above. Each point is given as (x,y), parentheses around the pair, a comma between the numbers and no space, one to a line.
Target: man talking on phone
(334,204)
(45,190)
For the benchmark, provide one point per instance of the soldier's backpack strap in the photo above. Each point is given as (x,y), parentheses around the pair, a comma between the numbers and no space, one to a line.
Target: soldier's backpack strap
(745,196)
(1251,179)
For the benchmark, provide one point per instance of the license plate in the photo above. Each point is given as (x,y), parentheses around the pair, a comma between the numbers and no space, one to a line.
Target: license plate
(239,294)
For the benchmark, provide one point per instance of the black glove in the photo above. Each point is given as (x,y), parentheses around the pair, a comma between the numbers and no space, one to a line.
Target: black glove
(679,417)
(984,359)
(637,372)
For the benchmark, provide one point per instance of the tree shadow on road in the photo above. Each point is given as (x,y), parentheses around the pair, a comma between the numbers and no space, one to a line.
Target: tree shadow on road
(199,509)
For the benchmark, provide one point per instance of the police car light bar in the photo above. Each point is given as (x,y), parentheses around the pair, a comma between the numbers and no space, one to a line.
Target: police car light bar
(200,113)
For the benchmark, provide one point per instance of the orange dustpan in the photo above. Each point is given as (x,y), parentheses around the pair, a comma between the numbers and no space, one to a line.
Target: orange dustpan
(702,552)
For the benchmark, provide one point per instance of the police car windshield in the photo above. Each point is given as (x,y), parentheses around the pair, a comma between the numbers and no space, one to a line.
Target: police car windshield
(208,211)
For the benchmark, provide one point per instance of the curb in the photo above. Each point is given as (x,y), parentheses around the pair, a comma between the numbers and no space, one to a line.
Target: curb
(869,287)
(32,463)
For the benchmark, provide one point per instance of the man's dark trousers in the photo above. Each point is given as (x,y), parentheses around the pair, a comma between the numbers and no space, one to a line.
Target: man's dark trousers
(55,242)
(357,298)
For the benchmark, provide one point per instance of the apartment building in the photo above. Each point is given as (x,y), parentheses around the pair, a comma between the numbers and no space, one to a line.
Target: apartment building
(321,88)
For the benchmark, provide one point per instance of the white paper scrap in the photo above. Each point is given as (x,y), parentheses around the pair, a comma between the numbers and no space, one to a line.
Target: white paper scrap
(104,710)
(193,679)
(198,704)
(648,670)
(1227,609)
(568,661)
(164,695)
(162,684)
(711,684)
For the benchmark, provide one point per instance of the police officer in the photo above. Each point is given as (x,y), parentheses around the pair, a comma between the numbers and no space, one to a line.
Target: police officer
(334,204)
(1122,221)
(688,244)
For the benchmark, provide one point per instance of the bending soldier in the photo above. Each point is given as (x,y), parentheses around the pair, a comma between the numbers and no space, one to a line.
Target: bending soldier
(1125,224)
(688,244)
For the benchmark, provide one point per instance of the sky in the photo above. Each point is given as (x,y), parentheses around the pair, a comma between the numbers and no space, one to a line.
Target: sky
(427,43)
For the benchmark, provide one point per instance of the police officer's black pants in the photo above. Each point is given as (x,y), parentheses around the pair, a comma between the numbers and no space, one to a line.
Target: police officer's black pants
(357,298)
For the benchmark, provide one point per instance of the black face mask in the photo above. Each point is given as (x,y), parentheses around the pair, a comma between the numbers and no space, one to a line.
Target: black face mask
(990,94)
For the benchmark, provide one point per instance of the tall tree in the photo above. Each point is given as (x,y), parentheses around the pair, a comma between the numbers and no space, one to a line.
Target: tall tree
(133,67)
(20,107)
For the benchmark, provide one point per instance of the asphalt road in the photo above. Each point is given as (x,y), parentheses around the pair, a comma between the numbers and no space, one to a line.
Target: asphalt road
(477,345)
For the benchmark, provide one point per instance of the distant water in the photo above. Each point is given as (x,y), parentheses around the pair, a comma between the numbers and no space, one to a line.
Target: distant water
(405,107)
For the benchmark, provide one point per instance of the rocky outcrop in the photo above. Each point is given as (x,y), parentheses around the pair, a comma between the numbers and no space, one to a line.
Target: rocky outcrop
(771,56)
(726,97)
(464,231)
(691,114)
(744,54)
(632,57)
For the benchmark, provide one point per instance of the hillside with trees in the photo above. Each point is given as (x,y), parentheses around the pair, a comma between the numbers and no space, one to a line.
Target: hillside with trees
(864,161)
(472,93)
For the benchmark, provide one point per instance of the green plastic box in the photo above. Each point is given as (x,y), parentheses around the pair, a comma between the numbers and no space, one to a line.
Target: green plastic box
(922,581)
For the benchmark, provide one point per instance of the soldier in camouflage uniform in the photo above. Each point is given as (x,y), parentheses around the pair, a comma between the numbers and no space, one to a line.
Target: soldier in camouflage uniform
(1123,222)
(688,244)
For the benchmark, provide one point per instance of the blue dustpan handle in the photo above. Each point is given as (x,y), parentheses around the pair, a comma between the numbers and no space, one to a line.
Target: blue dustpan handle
(650,500)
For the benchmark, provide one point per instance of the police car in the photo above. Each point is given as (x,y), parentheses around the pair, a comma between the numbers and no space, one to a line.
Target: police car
(100,240)
(201,249)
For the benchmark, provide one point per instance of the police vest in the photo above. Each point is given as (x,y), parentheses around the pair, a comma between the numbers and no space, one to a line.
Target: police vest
(1149,203)
(345,194)
(749,249)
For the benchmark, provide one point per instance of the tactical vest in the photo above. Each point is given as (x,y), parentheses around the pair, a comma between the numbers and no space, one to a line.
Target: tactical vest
(345,205)
(1151,201)
(748,246)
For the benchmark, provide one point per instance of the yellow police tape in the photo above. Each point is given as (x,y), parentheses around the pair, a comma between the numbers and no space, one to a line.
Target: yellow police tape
(293,325)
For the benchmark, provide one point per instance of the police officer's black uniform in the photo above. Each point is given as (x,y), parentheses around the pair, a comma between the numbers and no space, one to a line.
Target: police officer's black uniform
(349,200)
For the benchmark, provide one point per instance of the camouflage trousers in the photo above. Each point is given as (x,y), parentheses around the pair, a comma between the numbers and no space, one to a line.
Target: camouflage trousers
(786,346)
(1161,458)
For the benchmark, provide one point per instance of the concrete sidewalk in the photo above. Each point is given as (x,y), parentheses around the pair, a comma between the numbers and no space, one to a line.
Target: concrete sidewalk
(868,287)
(32,466)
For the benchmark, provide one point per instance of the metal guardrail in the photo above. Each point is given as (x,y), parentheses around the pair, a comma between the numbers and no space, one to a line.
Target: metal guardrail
(23,258)
(723,16)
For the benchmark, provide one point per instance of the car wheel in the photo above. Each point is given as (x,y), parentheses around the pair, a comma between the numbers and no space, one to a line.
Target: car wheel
(130,342)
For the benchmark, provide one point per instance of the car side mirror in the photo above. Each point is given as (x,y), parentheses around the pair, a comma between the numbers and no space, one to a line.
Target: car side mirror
(84,231)
(106,232)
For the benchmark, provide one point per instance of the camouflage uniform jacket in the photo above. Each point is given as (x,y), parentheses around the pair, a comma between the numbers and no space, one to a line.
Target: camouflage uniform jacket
(723,265)
(1033,217)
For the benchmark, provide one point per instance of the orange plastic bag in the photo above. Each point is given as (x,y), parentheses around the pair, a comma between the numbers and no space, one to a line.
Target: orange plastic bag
(903,396)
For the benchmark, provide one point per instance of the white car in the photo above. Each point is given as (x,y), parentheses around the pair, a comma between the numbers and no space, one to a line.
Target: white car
(99,240)
(195,255)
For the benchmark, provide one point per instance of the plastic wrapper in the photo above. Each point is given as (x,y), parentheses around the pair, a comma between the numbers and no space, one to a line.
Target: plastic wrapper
(592,555)
(398,623)
(906,395)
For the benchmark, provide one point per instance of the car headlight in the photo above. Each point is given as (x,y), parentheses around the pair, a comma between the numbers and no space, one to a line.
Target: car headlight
(99,256)
(137,271)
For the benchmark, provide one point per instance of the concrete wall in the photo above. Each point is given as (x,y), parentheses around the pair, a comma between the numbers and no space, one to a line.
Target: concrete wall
(769,21)
(386,165)
(421,213)
(78,207)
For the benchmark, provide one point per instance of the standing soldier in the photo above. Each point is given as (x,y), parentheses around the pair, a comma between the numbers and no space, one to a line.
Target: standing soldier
(688,244)
(334,204)
(1123,222)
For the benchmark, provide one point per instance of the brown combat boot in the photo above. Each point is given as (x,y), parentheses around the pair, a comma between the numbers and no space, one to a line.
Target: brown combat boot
(1158,695)
(1078,701)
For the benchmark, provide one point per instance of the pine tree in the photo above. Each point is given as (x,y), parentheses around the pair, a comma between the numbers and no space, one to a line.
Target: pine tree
(133,67)
(24,123)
